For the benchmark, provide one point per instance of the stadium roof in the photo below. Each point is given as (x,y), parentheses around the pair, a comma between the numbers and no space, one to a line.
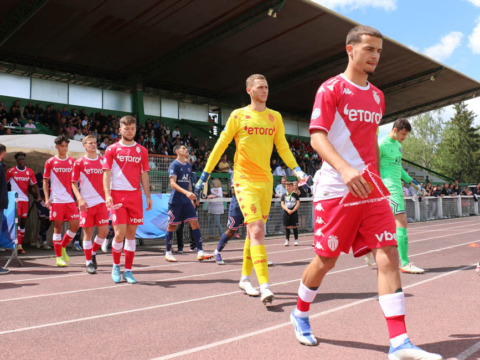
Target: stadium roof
(203,50)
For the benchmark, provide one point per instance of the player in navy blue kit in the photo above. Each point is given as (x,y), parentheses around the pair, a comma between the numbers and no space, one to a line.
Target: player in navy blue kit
(235,220)
(180,206)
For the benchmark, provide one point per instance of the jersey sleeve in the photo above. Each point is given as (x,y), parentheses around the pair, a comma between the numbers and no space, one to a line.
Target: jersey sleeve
(108,159)
(406,177)
(47,170)
(76,171)
(296,196)
(231,128)
(172,170)
(33,179)
(324,108)
(282,199)
(282,146)
(145,163)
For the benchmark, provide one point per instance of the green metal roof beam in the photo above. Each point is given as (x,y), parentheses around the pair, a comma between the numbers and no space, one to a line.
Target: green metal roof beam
(18,17)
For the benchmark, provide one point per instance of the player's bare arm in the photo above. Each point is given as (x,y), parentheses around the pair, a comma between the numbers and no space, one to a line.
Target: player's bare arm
(145,180)
(107,178)
(47,193)
(80,201)
(35,192)
(176,187)
(351,177)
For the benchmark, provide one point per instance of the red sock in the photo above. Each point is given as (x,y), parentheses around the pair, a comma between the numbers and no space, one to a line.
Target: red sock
(95,247)
(117,252)
(305,298)
(393,307)
(21,235)
(57,244)
(69,235)
(396,326)
(87,250)
(129,255)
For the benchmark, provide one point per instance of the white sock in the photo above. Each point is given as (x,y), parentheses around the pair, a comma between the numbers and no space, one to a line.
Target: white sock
(245,278)
(264,286)
(398,340)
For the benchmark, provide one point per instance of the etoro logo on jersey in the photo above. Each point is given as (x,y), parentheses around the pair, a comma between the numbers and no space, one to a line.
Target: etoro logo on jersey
(129,158)
(362,115)
(19,178)
(259,130)
(93,171)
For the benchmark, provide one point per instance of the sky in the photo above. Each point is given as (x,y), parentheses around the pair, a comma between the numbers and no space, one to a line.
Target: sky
(445,30)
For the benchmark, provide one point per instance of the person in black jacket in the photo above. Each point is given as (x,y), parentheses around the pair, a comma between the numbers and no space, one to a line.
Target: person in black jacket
(3,192)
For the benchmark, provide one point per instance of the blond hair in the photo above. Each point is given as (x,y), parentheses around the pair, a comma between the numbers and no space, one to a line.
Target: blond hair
(84,140)
(216,183)
(251,79)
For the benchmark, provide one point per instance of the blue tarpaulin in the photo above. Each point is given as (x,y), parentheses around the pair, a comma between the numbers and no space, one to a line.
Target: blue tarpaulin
(155,221)
(8,233)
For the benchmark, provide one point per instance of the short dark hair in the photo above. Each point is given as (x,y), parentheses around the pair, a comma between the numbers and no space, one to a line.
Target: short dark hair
(402,124)
(3,148)
(176,147)
(251,79)
(354,36)
(61,138)
(18,154)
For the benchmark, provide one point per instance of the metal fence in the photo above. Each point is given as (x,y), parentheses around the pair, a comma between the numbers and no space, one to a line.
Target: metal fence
(435,208)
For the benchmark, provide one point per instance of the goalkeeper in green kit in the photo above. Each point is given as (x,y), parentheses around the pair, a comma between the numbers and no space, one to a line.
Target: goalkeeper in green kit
(392,175)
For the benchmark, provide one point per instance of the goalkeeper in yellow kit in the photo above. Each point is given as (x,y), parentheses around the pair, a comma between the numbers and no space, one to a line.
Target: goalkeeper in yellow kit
(255,129)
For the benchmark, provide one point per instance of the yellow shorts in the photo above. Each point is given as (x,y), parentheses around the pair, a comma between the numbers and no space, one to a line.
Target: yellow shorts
(254,199)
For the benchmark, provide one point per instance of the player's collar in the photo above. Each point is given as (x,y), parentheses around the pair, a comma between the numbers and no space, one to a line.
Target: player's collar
(21,170)
(56,156)
(86,157)
(357,86)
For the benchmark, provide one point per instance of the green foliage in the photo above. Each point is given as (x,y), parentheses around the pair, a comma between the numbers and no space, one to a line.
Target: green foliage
(459,148)
(423,141)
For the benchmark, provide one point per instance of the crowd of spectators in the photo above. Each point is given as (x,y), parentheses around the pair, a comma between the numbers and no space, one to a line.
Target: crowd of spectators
(452,189)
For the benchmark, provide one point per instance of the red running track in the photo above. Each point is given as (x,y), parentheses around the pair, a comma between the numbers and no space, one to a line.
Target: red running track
(192,310)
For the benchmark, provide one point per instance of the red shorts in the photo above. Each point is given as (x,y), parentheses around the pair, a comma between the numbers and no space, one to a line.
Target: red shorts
(94,216)
(361,227)
(63,212)
(131,211)
(22,209)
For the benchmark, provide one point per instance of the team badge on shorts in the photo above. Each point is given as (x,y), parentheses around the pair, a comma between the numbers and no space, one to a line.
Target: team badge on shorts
(333,242)
(54,214)
(114,217)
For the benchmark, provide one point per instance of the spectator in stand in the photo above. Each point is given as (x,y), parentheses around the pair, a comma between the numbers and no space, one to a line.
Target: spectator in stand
(78,136)
(167,130)
(405,190)
(29,125)
(3,111)
(70,129)
(446,191)
(65,112)
(223,167)
(40,114)
(51,119)
(104,144)
(29,111)
(176,133)
(15,110)
(15,123)
(456,190)
(280,170)
(438,191)
(215,209)
(2,129)
(466,191)
(193,158)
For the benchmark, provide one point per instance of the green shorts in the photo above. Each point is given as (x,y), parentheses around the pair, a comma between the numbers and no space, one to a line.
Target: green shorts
(397,202)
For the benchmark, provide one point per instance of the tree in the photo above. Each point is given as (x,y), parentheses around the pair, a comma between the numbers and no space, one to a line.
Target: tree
(459,149)
(422,143)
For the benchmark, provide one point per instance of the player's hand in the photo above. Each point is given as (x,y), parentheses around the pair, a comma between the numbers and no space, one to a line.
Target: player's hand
(199,185)
(48,204)
(149,204)
(191,196)
(355,183)
(416,185)
(82,205)
(301,176)
(108,202)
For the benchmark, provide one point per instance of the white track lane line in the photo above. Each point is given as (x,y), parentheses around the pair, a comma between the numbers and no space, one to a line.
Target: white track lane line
(153,307)
(187,263)
(470,351)
(216,272)
(275,327)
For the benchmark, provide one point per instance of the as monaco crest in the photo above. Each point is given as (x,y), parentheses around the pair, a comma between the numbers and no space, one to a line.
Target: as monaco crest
(333,242)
